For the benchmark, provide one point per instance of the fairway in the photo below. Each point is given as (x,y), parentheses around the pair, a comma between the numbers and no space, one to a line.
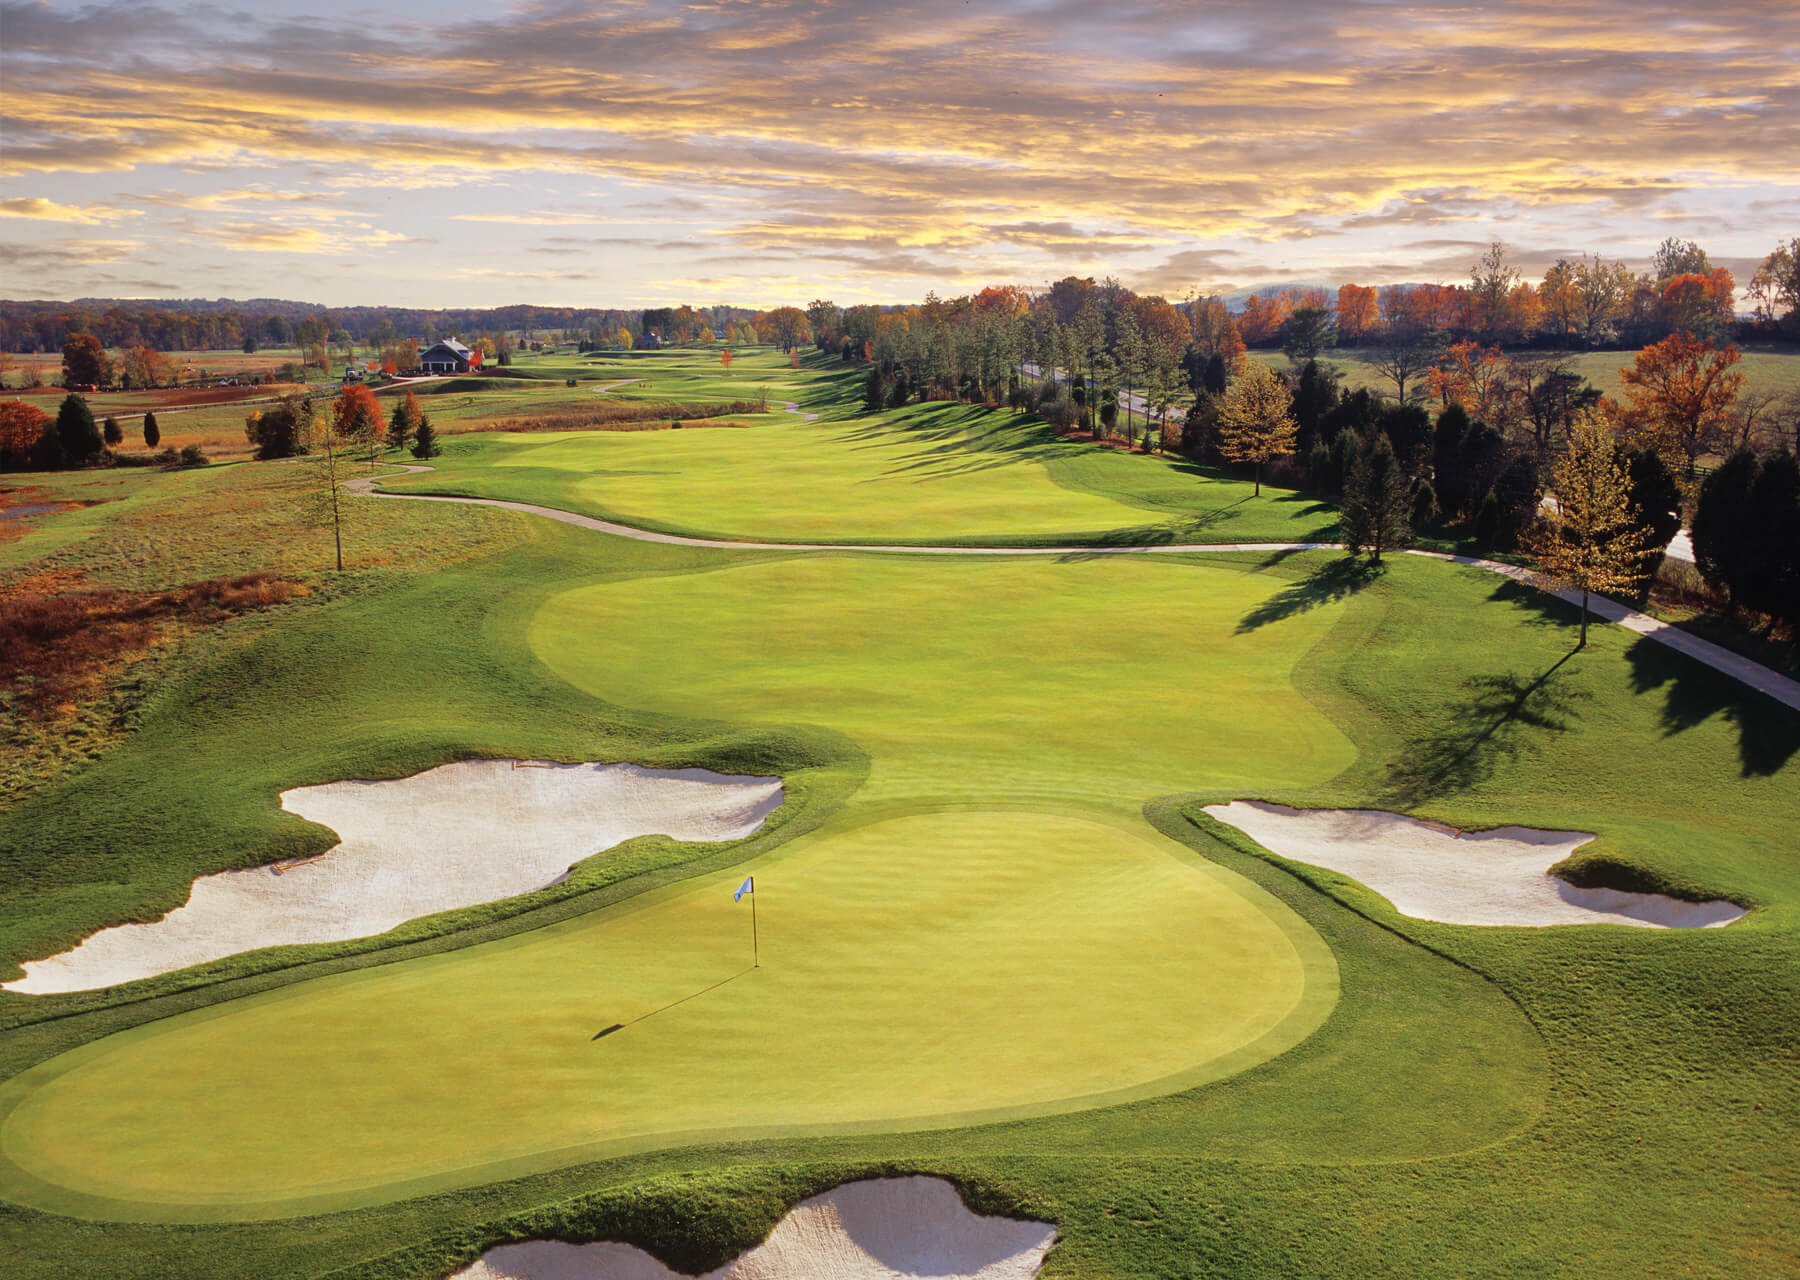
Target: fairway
(926,969)
(929,473)
(1096,682)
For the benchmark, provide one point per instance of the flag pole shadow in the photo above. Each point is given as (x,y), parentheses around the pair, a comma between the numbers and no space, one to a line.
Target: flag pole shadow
(620,1026)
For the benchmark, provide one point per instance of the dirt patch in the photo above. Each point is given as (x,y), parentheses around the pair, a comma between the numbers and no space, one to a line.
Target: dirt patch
(1434,872)
(19,506)
(60,639)
(881,1229)
(455,836)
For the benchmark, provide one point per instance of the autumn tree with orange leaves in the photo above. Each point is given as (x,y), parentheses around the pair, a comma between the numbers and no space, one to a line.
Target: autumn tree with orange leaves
(1475,377)
(21,427)
(356,417)
(1357,313)
(1679,393)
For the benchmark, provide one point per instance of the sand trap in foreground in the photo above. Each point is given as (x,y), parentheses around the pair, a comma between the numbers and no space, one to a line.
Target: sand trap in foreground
(454,836)
(882,1229)
(1481,877)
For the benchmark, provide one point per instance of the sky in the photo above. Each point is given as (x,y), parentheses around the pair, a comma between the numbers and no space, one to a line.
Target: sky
(762,152)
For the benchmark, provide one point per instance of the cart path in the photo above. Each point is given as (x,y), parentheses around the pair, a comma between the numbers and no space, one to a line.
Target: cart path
(1777,686)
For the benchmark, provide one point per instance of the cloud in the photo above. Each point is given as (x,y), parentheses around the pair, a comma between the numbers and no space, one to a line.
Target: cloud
(50,211)
(1018,136)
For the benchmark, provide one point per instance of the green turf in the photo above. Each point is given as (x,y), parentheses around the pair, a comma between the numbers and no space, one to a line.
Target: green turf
(934,472)
(929,968)
(1505,1102)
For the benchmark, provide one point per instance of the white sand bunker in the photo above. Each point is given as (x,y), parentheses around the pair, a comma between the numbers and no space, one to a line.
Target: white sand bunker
(883,1229)
(454,836)
(1479,877)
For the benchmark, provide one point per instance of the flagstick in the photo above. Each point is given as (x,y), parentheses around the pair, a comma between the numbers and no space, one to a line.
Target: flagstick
(755,947)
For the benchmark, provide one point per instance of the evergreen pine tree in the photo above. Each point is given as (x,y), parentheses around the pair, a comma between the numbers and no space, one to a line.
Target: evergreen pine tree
(76,431)
(424,439)
(152,433)
(111,433)
(1771,572)
(1722,529)
(1377,504)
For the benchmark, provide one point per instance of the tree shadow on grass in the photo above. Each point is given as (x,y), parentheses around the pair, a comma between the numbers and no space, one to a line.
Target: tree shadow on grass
(1494,723)
(1768,733)
(1335,580)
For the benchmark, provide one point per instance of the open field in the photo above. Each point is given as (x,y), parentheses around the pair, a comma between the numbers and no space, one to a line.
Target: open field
(1766,369)
(1001,940)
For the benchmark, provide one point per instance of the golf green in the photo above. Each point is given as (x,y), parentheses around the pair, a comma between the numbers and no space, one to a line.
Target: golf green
(917,971)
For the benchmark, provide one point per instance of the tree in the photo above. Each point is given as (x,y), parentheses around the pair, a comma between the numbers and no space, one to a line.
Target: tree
(1357,312)
(110,432)
(1675,257)
(788,328)
(84,362)
(1256,419)
(1404,355)
(404,422)
(1491,285)
(1775,288)
(424,439)
(1655,502)
(284,430)
(822,316)
(144,367)
(1592,543)
(1407,427)
(1315,396)
(1679,393)
(725,358)
(1723,531)
(326,501)
(1601,291)
(355,414)
(22,428)
(152,433)
(1377,503)
(1305,333)
(1771,574)
(75,430)
(1549,396)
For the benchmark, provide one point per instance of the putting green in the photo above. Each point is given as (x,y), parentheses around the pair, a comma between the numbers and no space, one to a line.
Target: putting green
(917,971)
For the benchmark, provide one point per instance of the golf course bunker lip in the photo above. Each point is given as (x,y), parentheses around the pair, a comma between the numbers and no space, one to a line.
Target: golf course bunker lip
(1432,872)
(454,836)
(916,1228)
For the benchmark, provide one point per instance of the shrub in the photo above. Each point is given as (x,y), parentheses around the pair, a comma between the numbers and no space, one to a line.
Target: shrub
(152,433)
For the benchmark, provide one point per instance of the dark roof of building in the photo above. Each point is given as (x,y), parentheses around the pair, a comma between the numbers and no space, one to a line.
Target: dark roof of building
(451,345)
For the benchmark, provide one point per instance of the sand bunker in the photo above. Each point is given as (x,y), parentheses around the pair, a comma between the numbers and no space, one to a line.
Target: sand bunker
(454,836)
(1478,877)
(883,1229)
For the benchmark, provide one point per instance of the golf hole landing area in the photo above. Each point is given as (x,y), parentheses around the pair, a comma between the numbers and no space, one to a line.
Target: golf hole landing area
(455,836)
(923,970)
